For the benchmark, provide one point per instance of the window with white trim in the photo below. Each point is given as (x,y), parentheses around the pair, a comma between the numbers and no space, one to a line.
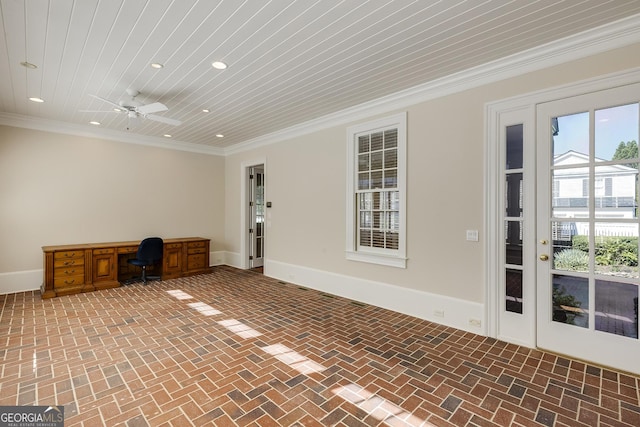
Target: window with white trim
(376,197)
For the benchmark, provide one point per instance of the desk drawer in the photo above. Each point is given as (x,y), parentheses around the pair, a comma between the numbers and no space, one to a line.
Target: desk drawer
(76,270)
(68,262)
(172,245)
(128,250)
(191,251)
(68,254)
(61,282)
(104,251)
(196,244)
(195,262)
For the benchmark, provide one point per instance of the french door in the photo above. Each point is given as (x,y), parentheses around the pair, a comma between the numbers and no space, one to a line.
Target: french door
(587,226)
(256,216)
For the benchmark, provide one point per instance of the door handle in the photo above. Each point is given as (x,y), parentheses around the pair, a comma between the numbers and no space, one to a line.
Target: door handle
(544,257)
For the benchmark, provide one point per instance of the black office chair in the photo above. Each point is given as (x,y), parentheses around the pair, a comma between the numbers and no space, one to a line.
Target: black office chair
(149,253)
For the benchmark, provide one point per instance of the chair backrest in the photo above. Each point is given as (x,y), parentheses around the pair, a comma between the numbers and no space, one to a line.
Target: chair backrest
(151,249)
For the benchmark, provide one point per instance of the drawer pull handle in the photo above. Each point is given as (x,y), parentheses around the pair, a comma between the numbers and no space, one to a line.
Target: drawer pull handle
(69,255)
(69,282)
(70,271)
(69,262)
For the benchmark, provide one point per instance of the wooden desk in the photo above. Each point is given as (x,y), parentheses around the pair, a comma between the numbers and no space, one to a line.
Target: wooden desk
(71,269)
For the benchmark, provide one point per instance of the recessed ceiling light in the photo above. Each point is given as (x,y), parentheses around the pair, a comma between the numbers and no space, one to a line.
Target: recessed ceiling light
(166,135)
(117,110)
(219,135)
(93,122)
(219,65)
(29,65)
(36,99)
(157,65)
(205,110)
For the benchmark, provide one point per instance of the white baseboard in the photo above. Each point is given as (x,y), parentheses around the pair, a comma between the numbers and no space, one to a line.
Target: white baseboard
(217,258)
(20,281)
(466,315)
(232,259)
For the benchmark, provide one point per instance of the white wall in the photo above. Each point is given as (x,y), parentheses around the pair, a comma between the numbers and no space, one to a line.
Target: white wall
(61,189)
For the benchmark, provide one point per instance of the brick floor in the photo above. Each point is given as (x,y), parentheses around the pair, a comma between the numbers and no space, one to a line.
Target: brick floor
(235,348)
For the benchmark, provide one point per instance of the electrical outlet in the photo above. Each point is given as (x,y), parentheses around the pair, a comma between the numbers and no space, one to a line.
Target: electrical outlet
(438,313)
(476,323)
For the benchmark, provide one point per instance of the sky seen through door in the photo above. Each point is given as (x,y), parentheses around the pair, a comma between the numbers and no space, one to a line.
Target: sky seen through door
(612,126)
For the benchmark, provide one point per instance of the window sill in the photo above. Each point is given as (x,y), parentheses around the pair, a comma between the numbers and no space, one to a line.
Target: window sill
(388,260)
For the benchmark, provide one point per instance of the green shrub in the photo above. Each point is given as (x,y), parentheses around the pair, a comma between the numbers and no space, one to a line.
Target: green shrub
(610,250)
(571,259)
(581,242)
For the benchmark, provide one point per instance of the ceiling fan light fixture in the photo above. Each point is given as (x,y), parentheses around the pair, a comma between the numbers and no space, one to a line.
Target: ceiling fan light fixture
(157,65)
(36,99)
(219,65)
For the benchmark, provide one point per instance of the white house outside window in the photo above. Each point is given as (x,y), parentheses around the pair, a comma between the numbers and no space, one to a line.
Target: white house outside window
(376,191)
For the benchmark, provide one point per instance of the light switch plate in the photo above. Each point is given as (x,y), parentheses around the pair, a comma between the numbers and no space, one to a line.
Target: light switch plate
(472,235)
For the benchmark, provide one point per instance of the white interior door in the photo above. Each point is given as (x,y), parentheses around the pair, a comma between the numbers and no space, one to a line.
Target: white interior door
(587,226)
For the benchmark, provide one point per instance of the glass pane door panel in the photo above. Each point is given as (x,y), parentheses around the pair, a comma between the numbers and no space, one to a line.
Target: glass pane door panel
(616,132)
(513,300)
(616,249)
(617,308)
(570,300)
(513,195)
(570,248)
(513,242)
(570,134)
(615,191)
(514,147)
(570,195)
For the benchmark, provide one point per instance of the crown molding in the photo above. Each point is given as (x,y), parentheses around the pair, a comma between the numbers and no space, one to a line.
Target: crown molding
(47,125)
(608,37)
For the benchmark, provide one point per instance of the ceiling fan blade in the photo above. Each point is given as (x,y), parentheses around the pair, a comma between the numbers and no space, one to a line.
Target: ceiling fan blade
(107,101)
(156,107)
(172,122)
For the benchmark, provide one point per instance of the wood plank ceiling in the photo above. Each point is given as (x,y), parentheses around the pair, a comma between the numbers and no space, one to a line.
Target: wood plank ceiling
(288,61)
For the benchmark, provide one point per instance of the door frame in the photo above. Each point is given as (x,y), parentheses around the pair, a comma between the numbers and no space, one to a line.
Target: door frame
(497,113)
(244,217)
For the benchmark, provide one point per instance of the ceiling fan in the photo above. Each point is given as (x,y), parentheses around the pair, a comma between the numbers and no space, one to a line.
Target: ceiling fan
(136,109)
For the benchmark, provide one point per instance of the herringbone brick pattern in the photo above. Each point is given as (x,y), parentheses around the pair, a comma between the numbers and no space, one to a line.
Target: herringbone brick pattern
(235,348)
